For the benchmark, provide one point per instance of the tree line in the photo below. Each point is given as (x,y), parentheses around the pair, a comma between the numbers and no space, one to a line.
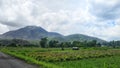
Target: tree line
(113,44)
(15,43)
(45,43)
(54,43)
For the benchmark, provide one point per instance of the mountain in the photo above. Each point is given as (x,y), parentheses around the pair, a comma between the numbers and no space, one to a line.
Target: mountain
(29,33)
(36,33)
(81,37)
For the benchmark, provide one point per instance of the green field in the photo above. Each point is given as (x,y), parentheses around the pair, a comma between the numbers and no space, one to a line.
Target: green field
(68,58)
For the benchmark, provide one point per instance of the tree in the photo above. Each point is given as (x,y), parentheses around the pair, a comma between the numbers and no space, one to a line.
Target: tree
(77,44)
(62,45)
(67,44)
(114,44)
(43,42)
(92,43)
(53,43)
(98,44)
(84,43)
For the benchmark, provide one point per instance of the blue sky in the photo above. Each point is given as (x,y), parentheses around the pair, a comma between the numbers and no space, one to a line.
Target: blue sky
(99,18)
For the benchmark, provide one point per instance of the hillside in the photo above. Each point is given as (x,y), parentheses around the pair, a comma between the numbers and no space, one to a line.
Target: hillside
(29,33)
(81,37)
(36,33)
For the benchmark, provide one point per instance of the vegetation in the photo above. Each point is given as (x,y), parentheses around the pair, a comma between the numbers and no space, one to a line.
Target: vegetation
(114,44)
(86,44)
(56,54)
(46,43)
(106,62)
(57,58)
(43,42)
(16,43)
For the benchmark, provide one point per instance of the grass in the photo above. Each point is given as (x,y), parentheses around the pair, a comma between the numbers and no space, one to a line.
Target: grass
(105,62)
(31,60)
(56,58)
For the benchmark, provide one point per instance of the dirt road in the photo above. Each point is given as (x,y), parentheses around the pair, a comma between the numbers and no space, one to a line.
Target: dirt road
(7,61)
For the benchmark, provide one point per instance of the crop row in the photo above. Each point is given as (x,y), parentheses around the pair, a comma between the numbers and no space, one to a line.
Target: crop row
(68,56)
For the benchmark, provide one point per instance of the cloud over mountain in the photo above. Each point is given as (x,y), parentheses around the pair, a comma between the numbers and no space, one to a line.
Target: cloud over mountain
(98,18)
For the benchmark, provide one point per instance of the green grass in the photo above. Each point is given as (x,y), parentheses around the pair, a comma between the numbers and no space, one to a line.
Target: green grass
(30,60)
(56,58)
(106,62)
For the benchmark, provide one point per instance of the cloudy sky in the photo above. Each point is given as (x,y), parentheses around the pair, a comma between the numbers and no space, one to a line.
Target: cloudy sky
(99,18)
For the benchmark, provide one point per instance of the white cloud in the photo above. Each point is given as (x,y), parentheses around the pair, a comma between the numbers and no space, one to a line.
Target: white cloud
(3,28)
(99,18)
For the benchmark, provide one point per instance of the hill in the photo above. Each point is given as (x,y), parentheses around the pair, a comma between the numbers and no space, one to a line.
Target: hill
(36,33)
(29,33)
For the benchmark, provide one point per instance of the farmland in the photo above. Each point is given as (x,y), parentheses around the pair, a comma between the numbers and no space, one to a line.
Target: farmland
(68,58)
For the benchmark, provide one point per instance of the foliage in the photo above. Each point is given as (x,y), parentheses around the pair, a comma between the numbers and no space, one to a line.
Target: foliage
(105,62)
(43,42)
(114,44)
(57,58)
(53,43)
(73,55)
(15,43)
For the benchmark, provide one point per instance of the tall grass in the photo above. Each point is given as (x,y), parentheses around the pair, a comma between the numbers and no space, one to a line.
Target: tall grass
(31,60)
(105,62)
(56,58)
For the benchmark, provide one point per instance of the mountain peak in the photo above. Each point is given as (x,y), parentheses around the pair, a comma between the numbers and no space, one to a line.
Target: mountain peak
(29,32)
(33,27)
(36,33)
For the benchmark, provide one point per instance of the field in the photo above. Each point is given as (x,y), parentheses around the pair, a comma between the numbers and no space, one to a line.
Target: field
(68,58)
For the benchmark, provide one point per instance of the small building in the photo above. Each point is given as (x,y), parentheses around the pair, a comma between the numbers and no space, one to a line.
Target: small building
(75,48)
(103,45)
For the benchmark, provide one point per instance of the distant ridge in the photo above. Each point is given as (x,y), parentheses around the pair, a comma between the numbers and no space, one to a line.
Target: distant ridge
(29,33)
(81,37)
(36,33)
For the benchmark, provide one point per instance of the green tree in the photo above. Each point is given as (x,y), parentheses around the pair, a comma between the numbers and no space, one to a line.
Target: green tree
(98,44)
(77,44)
(43,42)
(62,45)
(92,43)
(53,43)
